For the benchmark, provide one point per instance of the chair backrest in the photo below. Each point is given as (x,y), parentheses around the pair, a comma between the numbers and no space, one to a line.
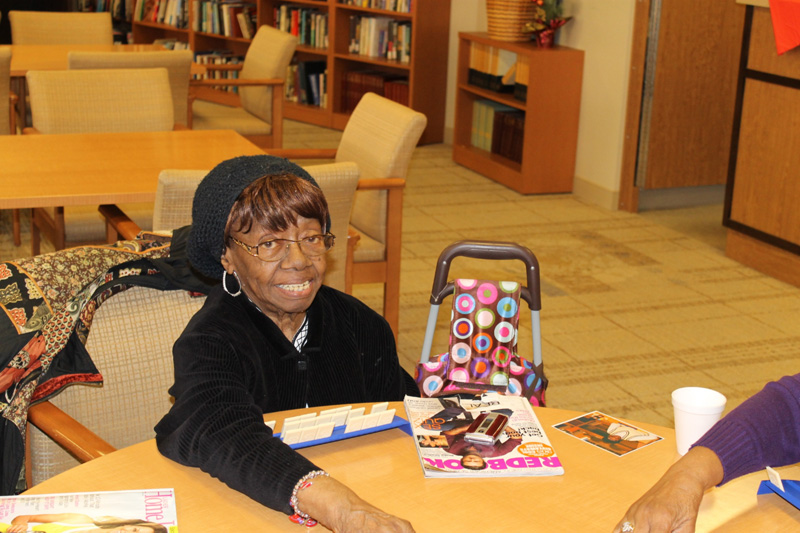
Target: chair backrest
(5,89)
(380,137)
(137,373)
(177,62)
(268,56)
(100,101)
(176,188)
(44,27)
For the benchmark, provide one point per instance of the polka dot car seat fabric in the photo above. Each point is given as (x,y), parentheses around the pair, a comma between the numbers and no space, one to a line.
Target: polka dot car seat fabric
(483,342)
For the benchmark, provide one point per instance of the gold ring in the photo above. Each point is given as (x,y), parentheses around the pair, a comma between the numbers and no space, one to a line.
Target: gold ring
(627,527)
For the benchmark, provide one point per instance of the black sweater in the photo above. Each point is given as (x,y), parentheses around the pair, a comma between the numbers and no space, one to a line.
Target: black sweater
(232,364)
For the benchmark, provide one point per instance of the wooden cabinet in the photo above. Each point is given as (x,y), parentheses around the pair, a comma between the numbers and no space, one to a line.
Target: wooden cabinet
(763,191)
(551,109)
(426,71)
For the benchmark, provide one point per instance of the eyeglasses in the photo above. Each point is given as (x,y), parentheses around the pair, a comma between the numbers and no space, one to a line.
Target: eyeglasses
(276,249)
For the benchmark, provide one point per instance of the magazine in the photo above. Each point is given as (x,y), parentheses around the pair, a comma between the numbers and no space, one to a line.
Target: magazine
(149,510)
(446,432)
(609,433)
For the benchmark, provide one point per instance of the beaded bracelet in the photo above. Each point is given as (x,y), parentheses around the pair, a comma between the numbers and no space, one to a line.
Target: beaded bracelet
(299,517)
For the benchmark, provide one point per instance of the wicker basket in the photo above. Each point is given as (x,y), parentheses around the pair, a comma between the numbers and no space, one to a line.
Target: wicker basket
(507,19)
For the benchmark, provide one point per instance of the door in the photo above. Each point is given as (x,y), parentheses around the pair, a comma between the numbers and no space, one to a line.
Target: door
(687,52)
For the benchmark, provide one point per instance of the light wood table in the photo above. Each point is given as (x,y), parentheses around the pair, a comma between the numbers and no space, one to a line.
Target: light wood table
(383,467)
(107,168)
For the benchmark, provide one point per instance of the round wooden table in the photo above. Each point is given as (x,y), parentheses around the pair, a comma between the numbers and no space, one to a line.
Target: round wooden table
(384,469)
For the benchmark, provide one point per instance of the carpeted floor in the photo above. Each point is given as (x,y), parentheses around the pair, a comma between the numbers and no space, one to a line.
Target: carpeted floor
(633,306)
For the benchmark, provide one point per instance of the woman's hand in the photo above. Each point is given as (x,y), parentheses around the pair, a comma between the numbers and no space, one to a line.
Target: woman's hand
(671,504)
(338,508)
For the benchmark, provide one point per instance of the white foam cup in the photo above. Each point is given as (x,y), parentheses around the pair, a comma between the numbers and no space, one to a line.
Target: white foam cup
(696,410)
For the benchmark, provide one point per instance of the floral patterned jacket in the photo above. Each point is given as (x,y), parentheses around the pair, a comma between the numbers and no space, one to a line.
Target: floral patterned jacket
(47,303)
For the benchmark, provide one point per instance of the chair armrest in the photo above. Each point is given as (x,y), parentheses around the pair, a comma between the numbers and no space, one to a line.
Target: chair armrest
(237,83)
(30,130)
(352,240)
(67,432)
(303,153)
(118,225)
(12,113)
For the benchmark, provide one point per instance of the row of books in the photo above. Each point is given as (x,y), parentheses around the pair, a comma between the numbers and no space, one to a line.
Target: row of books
(491,67)
(399,6)
(307,83)
(219,57)
(120,9)
(380,37)
(171,44)
(171,12)
(356,83)
(498,128)
(231,19)
(309,25)
(498,70)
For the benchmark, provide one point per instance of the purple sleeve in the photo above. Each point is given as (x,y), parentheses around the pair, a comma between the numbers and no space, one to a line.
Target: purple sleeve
(762,431)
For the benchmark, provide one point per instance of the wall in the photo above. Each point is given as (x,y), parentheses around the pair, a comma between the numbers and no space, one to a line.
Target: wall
(603,29)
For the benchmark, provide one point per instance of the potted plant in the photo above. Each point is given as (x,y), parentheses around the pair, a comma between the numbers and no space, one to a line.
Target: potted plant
(547,18)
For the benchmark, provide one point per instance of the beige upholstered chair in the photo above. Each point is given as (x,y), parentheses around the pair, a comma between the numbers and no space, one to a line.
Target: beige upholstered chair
(380,137)
(95,101)
(137,373)
(43,27)
(173,209)
(260,82)
(177,62)
(8,114)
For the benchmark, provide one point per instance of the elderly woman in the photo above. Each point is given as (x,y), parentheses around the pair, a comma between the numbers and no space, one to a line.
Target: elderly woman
(272,337)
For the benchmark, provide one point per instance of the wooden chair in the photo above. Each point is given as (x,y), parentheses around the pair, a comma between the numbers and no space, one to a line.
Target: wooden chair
(380,138)
(44,27)
(260,114)
(8,123)
(177,62)
(137,373)
(94,101)
(173,209)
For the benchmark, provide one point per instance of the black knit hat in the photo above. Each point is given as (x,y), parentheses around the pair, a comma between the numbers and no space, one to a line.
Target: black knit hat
(214,200)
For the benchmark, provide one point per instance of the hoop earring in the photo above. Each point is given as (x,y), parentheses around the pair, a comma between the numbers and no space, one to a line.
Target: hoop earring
(225,284)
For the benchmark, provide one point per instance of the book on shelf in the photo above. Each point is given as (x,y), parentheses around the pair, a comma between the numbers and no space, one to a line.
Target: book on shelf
(483,123)
(309,25)
(399,6)
(219,57)
(356,83)
(246,20)
(450,441)
(521,78)
(69,511)
(380,37)
(172,44)
(492,68)
(507,134)
(306,83)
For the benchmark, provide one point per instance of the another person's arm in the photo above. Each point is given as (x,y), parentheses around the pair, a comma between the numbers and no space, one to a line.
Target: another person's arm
(762,431)
(672,503)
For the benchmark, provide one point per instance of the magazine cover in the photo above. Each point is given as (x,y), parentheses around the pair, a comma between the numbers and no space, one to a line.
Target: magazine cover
(494,435)
(608,433)
(144,511)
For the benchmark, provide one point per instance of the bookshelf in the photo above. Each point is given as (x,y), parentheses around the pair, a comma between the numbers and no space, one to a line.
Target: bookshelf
(425,69)
(550,108)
